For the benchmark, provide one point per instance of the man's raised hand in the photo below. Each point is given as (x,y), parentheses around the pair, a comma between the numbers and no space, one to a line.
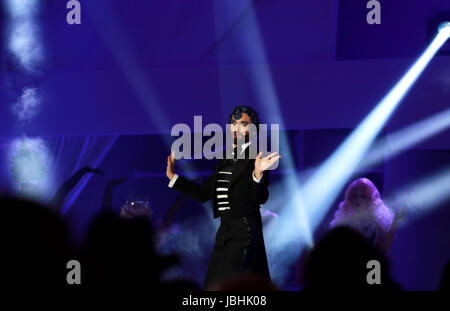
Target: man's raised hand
(170,171)
(262,164)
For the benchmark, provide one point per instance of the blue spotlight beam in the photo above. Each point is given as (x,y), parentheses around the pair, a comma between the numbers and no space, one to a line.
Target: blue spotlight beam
(406,138)
(321,190)
(280,254)
(147,96)
(73,195)
(424,195)
(264,88)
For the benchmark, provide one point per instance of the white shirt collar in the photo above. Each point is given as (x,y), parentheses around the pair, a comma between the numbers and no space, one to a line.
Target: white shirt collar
(243,147)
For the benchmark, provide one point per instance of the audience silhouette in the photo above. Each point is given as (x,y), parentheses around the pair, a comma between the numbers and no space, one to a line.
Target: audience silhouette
(339,262)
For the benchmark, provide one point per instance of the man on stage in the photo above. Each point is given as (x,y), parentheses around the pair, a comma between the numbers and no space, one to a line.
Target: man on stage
(238,187)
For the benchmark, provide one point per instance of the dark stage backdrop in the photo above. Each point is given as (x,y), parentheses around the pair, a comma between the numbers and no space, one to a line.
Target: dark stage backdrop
(144,66)
(136,100)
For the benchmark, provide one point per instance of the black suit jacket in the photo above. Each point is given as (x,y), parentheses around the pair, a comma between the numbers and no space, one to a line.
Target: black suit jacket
(244,194)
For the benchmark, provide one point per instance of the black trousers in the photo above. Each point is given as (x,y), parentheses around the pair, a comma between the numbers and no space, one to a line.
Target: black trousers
(239,248)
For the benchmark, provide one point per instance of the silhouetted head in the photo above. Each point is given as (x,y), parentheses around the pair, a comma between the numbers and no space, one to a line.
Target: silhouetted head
(339,261)
(122,252)
(35,248)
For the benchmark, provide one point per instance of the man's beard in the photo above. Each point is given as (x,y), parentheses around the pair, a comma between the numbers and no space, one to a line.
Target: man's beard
(240,139)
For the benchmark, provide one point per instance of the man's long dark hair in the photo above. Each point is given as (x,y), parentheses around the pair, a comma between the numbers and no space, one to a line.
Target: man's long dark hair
(239,110)
(237,114)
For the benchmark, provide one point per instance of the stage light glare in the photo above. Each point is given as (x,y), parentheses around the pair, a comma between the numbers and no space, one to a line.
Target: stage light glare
(423,196)
(406,138)
(28,105)
(24,33)
(322,189)
(22,8)
(292,231)
(444,27)
(29,160)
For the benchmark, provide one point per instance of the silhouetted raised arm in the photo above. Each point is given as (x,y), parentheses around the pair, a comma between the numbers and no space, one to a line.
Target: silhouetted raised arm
(58,199)
(107,205)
